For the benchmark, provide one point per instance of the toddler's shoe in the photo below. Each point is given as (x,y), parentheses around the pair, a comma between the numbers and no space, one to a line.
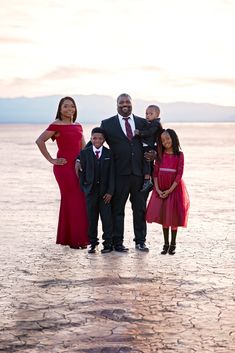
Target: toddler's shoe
(92,249)
(147,186)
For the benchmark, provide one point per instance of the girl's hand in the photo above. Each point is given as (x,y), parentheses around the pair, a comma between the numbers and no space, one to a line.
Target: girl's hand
(59,161)
(165,194)
(159,192)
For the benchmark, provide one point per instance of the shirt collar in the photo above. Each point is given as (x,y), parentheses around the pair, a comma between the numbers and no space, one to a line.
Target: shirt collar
(130,116)
(98,149)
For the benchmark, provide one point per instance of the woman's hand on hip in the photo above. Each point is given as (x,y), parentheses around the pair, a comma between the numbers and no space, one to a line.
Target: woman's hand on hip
(59,161)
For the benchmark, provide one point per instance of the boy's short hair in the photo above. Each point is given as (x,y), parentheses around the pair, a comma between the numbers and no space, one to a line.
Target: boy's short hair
(97,130)
(155,107)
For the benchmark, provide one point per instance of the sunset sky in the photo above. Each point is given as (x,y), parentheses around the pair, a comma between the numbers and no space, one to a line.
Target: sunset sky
(161,50)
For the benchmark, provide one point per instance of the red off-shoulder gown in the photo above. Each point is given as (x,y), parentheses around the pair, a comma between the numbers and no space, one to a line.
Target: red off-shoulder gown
(73,221)
(173,210)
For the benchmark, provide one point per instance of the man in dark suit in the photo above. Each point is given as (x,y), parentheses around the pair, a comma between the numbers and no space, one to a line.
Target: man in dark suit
(97,182)
(127,151)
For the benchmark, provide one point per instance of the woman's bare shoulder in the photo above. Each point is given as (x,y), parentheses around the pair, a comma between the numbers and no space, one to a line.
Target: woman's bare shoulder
(57,122)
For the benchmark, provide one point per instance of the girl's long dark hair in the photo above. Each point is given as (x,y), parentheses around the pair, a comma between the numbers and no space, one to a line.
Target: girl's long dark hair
(58,114)
(175,143)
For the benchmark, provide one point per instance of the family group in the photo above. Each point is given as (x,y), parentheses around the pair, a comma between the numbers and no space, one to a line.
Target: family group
(95,180)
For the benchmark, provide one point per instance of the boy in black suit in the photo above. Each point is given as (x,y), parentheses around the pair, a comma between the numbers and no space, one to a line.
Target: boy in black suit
(97,182)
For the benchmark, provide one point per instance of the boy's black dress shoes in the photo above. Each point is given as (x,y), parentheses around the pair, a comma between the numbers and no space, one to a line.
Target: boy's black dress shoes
(92,249)
(106,249)
(121,248)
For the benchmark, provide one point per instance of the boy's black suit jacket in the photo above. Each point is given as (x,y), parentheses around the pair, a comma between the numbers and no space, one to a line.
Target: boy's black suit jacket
(151,134)
(128,155)
(87,175)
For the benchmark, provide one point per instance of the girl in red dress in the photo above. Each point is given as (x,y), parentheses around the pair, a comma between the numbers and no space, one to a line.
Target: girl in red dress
(73,221)
(169,202)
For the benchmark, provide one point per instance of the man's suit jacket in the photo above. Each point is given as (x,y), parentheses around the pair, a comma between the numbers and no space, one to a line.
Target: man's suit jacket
(87,175)
(128,155)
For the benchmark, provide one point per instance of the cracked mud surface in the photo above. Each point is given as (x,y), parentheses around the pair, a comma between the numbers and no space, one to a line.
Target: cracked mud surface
(60,300)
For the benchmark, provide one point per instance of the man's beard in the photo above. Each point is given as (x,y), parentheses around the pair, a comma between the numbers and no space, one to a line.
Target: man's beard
(126,112)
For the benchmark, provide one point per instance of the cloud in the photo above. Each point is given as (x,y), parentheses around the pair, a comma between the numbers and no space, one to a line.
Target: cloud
(60,73)
(228,2)
(151,69)
(20,82)
(15,40)
(68,72)
(176,80)
(218,81)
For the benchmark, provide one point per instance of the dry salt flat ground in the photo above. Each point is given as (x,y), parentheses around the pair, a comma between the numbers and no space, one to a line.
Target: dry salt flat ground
(55,299)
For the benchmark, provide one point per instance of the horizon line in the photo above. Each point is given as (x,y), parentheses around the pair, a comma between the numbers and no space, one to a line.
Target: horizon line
(104,95)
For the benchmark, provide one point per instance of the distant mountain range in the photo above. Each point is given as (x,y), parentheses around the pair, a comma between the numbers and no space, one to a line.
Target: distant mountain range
(94,108)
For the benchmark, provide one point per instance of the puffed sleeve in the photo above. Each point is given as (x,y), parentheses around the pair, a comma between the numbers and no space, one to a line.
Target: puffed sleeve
(156,169)
(180,168)
(53,127)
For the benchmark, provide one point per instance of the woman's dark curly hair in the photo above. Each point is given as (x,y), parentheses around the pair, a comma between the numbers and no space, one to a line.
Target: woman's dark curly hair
(175,143)
(58,114)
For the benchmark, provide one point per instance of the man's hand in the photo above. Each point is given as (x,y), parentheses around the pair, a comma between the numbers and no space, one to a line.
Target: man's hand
(107,198)
(150,156)
(78,167)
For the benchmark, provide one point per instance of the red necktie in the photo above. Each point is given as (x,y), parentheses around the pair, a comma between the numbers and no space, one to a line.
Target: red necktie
(97,154)
(129,133)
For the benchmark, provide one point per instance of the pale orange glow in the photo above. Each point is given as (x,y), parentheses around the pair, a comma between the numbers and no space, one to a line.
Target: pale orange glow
(161,50)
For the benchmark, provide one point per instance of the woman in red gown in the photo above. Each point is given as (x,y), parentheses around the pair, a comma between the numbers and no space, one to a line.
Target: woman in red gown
(73,221)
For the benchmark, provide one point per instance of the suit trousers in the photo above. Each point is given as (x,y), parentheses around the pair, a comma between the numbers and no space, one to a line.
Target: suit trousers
(129,185)
(148,165)
(95,208)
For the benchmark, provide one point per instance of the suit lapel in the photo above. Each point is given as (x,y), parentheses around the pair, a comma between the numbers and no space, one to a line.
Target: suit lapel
(117,127)
(91,155)
(103,154)
(136,122)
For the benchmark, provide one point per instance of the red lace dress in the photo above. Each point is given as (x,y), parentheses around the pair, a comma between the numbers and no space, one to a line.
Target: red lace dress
(173,210)
(73,221)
